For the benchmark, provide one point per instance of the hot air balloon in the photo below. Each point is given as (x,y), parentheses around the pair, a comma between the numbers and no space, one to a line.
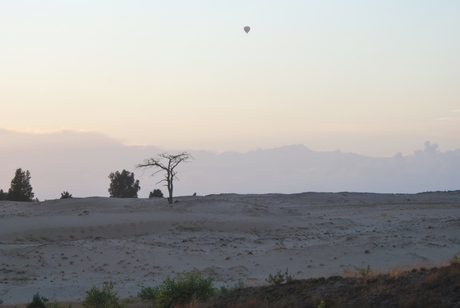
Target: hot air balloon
(247,29)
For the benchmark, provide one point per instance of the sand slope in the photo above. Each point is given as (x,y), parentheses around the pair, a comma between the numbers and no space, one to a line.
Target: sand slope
(60,248)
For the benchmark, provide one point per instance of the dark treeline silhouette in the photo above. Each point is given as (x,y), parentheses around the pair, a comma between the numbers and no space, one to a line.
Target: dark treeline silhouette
(20,189)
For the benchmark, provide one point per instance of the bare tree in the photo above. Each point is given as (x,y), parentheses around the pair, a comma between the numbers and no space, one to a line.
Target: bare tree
(172,161)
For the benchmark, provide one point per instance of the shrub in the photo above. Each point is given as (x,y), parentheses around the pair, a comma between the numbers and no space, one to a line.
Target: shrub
(148,294)
(105,298)
(364,272)
(279,278)
(183,289)
(66,195)
(156,193)
(38,301)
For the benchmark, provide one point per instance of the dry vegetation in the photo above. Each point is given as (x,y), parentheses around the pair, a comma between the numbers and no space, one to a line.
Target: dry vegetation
(435,287)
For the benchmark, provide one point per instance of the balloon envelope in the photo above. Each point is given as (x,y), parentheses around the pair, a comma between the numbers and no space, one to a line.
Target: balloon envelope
(246,29)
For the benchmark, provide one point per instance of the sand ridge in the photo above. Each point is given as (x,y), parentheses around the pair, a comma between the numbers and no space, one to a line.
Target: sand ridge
(60,248)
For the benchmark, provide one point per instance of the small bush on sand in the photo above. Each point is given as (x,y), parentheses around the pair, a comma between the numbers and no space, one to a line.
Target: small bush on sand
(156,193)
(66,195)
(184,288)
(279,278)
(105,298)
(38,301)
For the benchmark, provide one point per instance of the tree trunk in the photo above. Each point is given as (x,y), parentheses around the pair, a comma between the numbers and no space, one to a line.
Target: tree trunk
(170,198)
(170,188)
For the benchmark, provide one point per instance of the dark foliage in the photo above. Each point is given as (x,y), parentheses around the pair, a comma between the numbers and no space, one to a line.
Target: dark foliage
(156,193)
(66,195)
(38,301)
(123,185)
(20,189)
(181,290)
(101,298)
(3,195)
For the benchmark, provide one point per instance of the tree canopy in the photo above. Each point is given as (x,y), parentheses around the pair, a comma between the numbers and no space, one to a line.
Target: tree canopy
(123,185)
(21,189)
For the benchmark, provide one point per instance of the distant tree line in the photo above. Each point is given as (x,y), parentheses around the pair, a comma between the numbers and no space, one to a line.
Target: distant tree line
(122,184)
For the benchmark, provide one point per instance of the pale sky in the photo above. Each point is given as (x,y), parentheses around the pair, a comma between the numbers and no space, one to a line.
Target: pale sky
(372,77)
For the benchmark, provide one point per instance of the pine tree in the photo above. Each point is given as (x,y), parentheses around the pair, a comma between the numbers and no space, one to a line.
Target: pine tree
(20,189)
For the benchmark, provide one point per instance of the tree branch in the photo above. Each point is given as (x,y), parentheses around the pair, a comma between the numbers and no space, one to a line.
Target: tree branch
(173,162)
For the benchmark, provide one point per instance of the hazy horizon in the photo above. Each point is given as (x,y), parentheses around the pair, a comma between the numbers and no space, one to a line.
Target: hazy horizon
(80,162)
(13,138)
(21,138)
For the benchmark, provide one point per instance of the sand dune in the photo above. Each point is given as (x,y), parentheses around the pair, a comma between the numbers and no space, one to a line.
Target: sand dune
(60,248)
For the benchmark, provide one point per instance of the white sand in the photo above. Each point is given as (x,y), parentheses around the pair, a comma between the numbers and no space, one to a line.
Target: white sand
(60,248)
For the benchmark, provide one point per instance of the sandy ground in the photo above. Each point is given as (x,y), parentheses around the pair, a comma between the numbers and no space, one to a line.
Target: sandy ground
(60,248)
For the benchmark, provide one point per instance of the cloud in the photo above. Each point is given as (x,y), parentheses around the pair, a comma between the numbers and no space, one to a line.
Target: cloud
(62,137)
(451,118)
(448,119)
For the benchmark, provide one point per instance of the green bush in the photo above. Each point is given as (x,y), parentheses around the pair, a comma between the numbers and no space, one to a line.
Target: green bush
(38,301)
(182,289)
(148,294)
(105,298)
(279,278)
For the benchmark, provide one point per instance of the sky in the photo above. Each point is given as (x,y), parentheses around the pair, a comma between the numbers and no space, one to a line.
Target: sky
(371,77)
